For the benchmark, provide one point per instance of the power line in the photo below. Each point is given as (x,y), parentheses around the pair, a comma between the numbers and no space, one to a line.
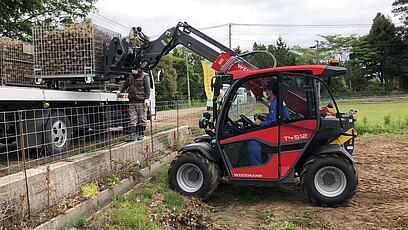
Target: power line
(213,27)
(111,21)
(302,25)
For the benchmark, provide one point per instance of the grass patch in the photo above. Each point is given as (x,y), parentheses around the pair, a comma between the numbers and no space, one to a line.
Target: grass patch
(376,118)
(132,210)
(143,195)
(174,200)
(159,178)
(129,215)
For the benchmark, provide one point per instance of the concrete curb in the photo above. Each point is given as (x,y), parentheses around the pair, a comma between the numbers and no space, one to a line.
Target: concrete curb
(102,199)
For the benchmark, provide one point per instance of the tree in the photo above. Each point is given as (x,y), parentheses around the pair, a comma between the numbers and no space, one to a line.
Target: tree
(400,7)
(260,60)
(167,88)
(337,46)
(18,17)
(310,55)
(283,55)
(196,82)
(237,50)
(382,38)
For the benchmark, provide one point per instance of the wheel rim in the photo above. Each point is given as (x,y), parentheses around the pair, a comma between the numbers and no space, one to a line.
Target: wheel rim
(330,181)
(190,178)
(59,133)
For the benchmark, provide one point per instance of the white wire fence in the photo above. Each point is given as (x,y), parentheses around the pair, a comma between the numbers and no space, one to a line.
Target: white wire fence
(47,155)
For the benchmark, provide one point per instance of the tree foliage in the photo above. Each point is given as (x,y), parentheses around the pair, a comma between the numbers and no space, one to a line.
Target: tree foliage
(18,17)
(283,55)
(166,89)
(195,72)
(400,7)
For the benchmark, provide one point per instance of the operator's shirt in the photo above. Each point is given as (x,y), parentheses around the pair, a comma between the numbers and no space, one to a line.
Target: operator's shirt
(272,113)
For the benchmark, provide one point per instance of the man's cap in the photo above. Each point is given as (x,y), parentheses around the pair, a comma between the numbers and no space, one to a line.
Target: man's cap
(271,85)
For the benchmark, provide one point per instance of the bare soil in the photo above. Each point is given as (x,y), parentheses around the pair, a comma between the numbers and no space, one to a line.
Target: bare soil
(380,203)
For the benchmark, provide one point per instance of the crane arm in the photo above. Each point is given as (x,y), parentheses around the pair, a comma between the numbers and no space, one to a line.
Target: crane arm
(121,56)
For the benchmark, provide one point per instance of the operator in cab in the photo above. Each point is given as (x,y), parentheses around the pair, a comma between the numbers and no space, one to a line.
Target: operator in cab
(266,119)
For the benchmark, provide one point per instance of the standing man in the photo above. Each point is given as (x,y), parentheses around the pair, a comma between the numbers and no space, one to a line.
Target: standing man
(138,86)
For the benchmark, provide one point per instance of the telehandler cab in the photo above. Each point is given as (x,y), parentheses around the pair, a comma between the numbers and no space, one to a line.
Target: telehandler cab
(281,132)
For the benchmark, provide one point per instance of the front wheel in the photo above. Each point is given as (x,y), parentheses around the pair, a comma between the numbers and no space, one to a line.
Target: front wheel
(194,175)
(329,180)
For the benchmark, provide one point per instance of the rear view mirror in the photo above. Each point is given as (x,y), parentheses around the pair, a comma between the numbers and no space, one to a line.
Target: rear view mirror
(160,75)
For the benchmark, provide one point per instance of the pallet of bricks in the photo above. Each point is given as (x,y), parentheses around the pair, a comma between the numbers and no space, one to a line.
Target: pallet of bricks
(73,52)
(16,62)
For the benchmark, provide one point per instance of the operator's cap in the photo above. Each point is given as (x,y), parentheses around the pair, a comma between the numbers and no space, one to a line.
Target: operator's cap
(271,85)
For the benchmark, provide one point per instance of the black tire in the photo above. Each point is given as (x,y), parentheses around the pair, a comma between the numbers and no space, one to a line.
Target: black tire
(312,167)
(58,132)
(209,169)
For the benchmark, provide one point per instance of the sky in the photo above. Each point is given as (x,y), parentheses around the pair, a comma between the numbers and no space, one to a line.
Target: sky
(155,16)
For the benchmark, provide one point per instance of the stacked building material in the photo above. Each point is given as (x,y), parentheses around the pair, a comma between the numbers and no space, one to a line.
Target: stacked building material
(72,52)
(16,62)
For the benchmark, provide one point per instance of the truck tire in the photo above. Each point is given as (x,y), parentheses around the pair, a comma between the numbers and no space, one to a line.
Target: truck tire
(194,175)
(329,180)
(58,132)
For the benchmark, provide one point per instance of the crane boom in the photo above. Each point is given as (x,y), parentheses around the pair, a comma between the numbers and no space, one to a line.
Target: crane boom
(121,56)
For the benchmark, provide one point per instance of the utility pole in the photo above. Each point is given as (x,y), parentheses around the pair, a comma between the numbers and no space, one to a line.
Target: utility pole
(188,81)
(229,34)
(317,50)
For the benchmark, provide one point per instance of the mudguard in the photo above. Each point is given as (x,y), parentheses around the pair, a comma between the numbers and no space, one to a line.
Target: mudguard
(334,149)
(203,148)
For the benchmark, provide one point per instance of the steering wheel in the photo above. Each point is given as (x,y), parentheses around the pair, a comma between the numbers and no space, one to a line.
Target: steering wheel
(247,120)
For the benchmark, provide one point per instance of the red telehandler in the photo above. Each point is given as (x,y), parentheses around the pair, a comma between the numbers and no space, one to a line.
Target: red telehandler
(256,139)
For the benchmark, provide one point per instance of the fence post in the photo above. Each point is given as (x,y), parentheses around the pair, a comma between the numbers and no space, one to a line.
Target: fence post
(23,155)
(177,119)
(109,134)
(151,132)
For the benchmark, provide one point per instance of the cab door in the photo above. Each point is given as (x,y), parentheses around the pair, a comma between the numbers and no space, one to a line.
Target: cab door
(299,96)
(239,140)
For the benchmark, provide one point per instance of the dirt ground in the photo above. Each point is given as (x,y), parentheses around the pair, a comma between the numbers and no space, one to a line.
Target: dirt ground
(380,203)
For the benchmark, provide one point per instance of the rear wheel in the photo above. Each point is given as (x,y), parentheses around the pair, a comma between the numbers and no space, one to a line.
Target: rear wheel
(329,180)
(58,132)
(194,175)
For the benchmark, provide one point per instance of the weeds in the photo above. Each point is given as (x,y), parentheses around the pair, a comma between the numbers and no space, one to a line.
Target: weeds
(266,217)
(390,124)
(151,203)
(305,220)
(285,225)
(90,190)
(113,179)
(79,222)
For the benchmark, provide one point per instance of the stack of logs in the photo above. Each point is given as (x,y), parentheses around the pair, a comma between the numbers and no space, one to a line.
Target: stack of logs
(74,50)
(16,62)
